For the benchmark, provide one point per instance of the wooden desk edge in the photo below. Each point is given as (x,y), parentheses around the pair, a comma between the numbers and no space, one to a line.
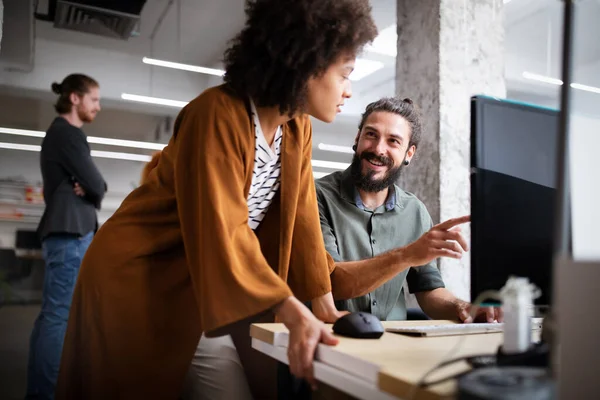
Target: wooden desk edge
(386,382)
(263,333)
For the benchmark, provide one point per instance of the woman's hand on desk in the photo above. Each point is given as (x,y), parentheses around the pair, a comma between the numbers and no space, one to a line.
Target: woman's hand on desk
(306,332)
(324,309)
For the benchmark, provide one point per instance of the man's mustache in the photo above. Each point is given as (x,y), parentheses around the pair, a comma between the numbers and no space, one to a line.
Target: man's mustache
(369,156)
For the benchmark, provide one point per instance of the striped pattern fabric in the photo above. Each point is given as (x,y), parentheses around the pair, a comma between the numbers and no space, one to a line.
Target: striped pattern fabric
(266,172)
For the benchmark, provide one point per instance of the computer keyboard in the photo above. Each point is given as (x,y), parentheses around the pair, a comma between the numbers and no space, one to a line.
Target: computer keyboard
(454,329)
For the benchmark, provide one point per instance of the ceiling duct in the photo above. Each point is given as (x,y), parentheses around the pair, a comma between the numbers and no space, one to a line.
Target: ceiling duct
(116,19)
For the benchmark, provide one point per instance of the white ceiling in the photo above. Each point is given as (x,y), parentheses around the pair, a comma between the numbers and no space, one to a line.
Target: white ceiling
(190,31)
(197,32)
(534,44)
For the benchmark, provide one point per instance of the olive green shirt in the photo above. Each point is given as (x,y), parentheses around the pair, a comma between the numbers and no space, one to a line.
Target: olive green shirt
(353,232)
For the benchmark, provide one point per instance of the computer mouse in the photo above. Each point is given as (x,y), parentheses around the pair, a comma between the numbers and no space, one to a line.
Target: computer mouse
(359,325)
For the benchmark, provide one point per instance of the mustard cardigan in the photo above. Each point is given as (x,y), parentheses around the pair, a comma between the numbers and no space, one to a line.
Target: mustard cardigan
(178,257)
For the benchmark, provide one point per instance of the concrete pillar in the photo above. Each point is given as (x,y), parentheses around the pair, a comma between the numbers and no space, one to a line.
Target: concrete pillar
(448,50)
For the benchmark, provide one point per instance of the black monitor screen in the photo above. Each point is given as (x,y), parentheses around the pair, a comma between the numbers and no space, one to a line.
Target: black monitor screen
(513,160)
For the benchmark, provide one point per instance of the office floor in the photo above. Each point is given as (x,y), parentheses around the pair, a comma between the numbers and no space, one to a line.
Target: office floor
(16,323)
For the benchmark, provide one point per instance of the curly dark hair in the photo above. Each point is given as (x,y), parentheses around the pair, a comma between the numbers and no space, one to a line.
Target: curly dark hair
(286,42)
(404,108)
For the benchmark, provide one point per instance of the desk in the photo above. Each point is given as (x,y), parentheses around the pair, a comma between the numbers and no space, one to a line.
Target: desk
(386,368)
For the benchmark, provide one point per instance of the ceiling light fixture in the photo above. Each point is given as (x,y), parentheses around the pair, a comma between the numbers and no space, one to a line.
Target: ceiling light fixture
(558,82)
(335,148)
(95,153)
(587,88)
(91,139)
(121,156)
(184,67)
(18,146)
(131,157)
(542,78)
(364,67)
(318,174)
(329,164)
(153,100)
(139,145)
(23,132)
(136,144)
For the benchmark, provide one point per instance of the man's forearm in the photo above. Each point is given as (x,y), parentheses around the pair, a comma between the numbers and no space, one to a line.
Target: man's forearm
(438,303)
(352,279)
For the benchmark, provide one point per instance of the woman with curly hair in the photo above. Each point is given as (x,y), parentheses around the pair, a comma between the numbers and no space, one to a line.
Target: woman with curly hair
(226,229)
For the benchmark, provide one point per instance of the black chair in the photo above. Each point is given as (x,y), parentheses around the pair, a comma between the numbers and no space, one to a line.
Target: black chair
(416,314)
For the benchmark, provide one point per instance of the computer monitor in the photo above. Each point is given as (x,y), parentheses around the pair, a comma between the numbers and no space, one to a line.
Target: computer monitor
(513,171)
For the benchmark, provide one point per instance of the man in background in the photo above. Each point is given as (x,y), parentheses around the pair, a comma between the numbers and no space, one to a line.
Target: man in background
(73,191)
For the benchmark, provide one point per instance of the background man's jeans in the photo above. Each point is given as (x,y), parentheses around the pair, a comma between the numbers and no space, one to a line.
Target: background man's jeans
(62,256)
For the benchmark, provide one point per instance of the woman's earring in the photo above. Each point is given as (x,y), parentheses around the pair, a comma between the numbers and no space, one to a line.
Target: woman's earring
(406,162)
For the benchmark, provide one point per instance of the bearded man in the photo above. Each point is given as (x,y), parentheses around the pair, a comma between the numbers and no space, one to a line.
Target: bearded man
(379,235)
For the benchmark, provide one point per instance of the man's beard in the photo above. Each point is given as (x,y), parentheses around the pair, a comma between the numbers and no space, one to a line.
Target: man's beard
(366,182)
(85,116)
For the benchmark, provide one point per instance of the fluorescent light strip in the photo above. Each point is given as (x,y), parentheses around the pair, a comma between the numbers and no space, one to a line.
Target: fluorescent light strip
(558,82)
(134,144)
(587,88)
(91,139)
(335,148)
(126,143)
(364,68)
(542,78)
(120,156)
(18,146)
(153,100)
(318,174)
(22,132)
(95,153)
(112,155)
(184,67)
(329,164)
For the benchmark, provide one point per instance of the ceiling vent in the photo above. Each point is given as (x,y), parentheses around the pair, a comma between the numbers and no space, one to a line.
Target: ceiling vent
(96,17)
